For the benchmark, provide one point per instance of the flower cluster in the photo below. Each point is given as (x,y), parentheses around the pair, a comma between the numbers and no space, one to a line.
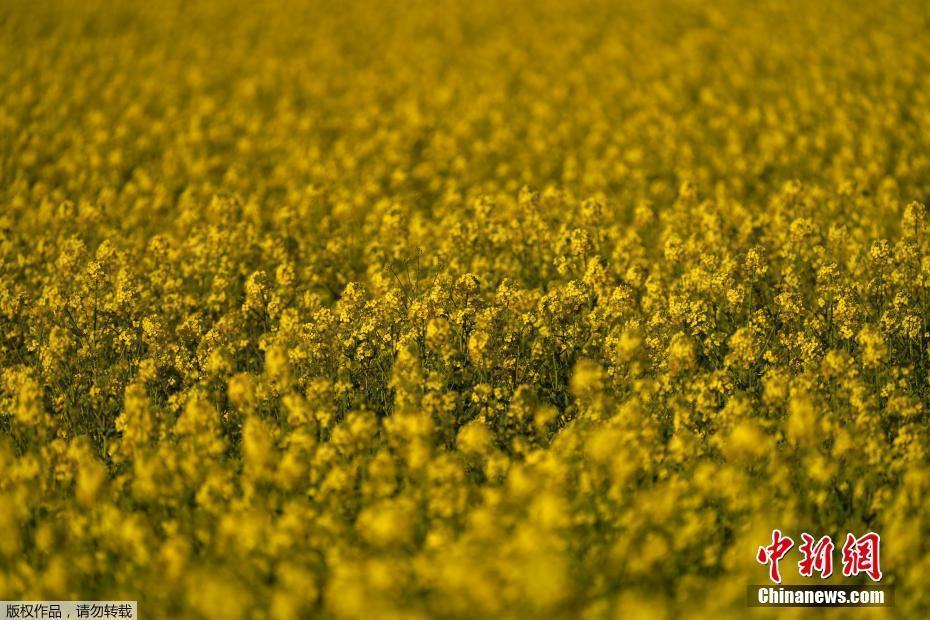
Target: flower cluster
(459,309)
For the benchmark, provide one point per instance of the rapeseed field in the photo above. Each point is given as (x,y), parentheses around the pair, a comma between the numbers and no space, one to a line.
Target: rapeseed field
(460,309)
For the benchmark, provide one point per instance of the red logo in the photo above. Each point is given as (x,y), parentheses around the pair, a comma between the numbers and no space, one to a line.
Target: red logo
(859,555)
(818,556)
(773,553)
